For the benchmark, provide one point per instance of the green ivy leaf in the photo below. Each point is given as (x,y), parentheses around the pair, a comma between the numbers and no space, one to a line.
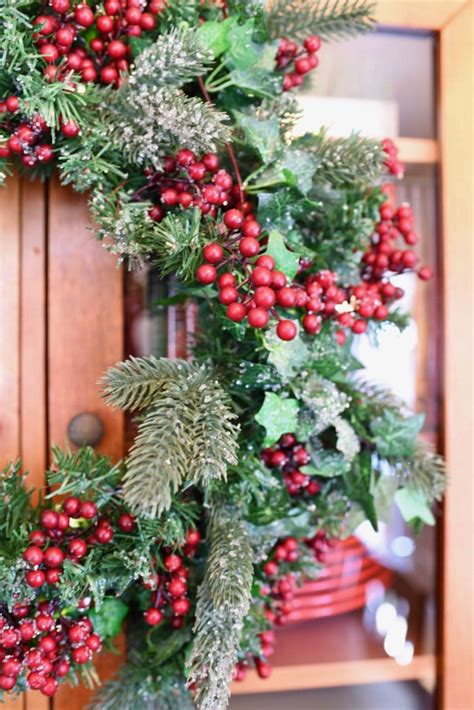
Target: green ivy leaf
(414,506)
(285,260)
(215,35)
(264,136)
(286,357)
(242,53)
(277,415)
(359,486)
(108,620)
(395,435)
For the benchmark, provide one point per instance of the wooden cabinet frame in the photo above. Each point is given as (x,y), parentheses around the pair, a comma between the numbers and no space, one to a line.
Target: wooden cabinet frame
(41,356)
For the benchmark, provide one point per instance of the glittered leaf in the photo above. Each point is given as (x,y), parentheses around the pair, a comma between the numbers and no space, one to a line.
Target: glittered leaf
(215,35)
(278,416)
(285,260)
(413,505)
(395,435)
(264,136)
(287,357)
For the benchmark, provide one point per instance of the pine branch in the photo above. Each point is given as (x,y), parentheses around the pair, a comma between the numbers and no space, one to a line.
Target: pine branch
(424,472)
(187,433)
(330,19)
(223,603)
(83,472)
(174,59)
(344,162)
(15,501)
(135,686)
(137,382)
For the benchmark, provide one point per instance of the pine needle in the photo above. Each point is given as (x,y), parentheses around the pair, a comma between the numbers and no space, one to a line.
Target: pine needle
(330,19)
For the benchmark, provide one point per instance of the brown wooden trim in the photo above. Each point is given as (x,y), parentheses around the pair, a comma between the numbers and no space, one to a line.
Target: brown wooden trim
(457,153)
(417,14)
(85,337)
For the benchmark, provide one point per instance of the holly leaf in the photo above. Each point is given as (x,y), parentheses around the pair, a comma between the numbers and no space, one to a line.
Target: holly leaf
(108,620)
(414,506)
(295,168)
(264,136)
(395,435)
(359,486)
(277,415)
(286,357)
(215,35)
(243,52)
(285,260)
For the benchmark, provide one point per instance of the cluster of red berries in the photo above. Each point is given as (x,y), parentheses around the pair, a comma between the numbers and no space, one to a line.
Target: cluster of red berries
(319,544)
(170,585)
(296,61)
(58,539)
(38,645)
(92,41)
(187,181)
(289,456)
(392,163)
(29,138)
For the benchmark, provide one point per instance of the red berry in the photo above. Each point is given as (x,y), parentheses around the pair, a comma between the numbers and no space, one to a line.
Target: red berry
(286,330)
(264,297)
(248,247)
(104,534)
(312,324)
(261,276)
(312,43)
(211,161)
(185,157)
(94,642)
(233,219)
(133,15)
(193,537)
(223,180)
(381,312)
(409,259)
(213,252)
(33,555)
(270,568)
(49,52)
(109,74)
(53,575)
(70,129)
(359,327)
(65,36)
(88,510)
(60,6)
(197,171)
(77,548)
(253,229)
(63,667)
(228,295)
(35,578)
(177,588)
(49,687)
(147,21)
(117,49)
(180,606)
(267,261)
(286,297)
(153,617)
(172,562)
(226,280)
(44,153)
(83,15)
(35,680)
(126,522)
(264,670)
(77,633)
(170,196)
(49,519)
(71,506)
(206,274)
(236,312)
(81,655)
(258,318)
(47,27)
(302,65)
(278,279)
(53,557)
(425,273)
(105,24)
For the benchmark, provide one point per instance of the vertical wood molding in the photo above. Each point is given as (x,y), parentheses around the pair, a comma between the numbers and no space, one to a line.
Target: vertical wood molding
(85,337)
(10,320)
(457,146)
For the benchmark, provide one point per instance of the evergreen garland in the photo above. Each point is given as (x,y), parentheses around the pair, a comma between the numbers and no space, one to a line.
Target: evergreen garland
(251,455)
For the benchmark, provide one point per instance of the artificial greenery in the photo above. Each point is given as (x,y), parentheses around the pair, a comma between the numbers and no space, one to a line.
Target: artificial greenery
(198,500)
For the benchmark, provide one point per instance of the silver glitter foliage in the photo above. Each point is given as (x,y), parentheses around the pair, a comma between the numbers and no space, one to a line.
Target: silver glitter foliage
(223,603)
(186,433)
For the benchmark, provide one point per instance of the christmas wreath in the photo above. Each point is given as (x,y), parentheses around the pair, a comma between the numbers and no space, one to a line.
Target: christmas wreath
(178,117)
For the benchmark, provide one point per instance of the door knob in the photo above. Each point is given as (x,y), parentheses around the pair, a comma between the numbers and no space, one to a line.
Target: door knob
(85,429)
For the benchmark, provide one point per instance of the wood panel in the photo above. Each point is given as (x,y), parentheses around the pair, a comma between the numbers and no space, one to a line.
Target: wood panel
(85,327)
(10,250)
(457,146)
(423,14)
